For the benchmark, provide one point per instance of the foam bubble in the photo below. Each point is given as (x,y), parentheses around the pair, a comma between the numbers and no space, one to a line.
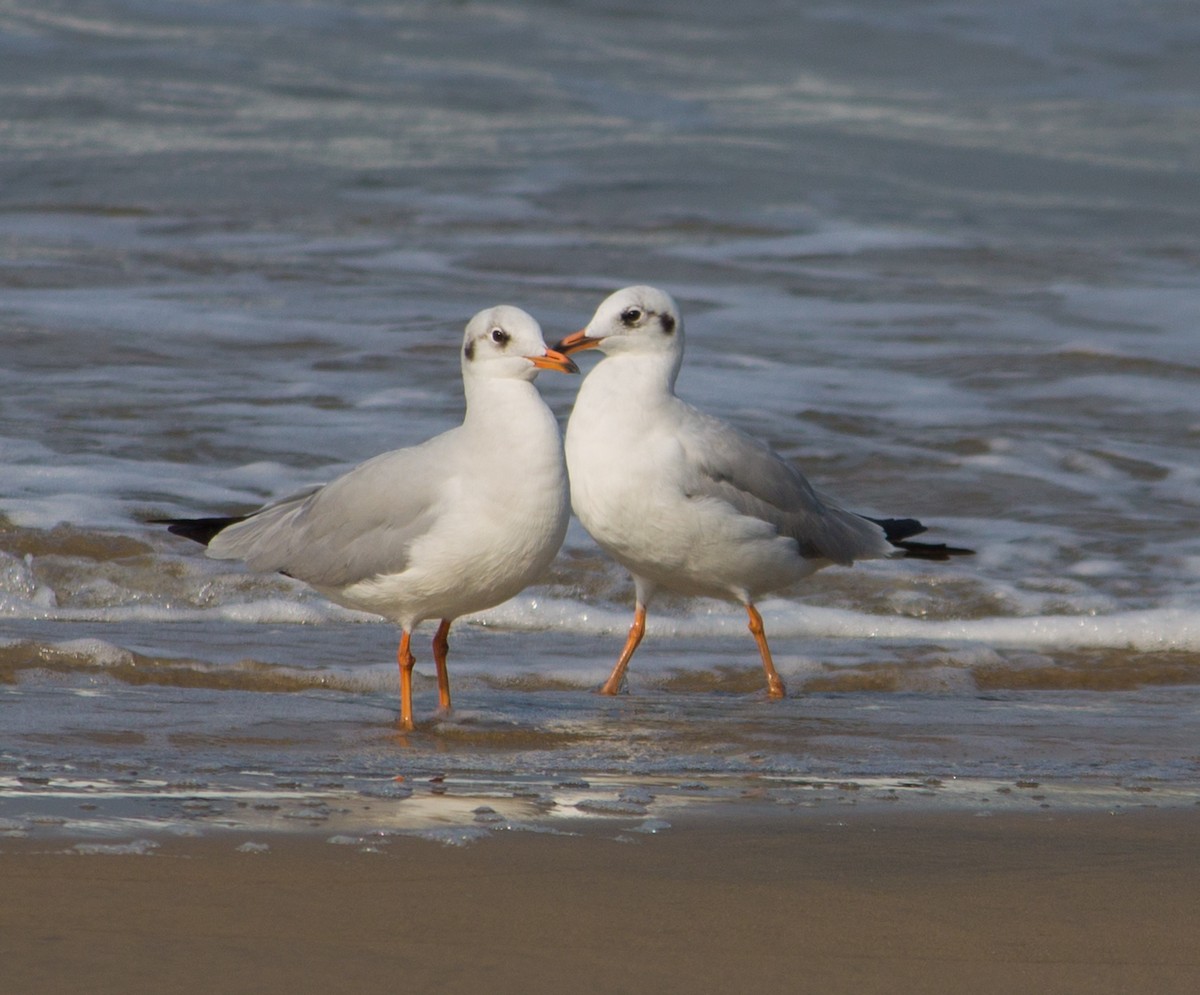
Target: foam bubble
(136,848)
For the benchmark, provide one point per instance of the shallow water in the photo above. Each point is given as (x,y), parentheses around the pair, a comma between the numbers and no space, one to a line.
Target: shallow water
(944,257)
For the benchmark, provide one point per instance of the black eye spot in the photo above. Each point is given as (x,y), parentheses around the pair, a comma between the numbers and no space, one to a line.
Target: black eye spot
(631,316)
(668,323)
(469,349)
(500,336)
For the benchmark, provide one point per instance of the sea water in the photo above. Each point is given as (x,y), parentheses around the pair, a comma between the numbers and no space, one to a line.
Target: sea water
(945,256)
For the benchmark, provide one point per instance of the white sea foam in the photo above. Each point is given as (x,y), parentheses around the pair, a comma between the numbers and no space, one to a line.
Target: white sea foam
(831,239)
(1100,621)
(1168,628)
(135,848)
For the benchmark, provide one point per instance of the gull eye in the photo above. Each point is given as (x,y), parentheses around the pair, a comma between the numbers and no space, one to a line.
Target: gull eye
(500,336)
(631,316)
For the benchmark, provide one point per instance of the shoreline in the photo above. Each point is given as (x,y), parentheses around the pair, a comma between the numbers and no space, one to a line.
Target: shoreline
(438,805)
(855,900)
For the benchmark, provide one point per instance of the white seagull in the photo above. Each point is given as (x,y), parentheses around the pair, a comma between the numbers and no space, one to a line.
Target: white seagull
(455,525)
(685,501)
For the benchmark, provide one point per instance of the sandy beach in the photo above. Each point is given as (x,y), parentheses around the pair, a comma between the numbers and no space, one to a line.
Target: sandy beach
(872,902)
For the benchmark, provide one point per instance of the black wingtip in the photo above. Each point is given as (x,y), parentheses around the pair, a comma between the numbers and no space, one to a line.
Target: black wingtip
(201,530)
(931,550)
(899,530)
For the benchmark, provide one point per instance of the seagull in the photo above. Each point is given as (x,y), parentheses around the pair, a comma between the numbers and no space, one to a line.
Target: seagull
(454,525)
(685,501)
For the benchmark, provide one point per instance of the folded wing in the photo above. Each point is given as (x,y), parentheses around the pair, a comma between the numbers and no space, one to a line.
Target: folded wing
(359,526)
(727,464)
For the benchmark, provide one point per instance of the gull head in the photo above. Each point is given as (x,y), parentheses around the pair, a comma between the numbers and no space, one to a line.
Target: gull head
(504,341)
(634,320)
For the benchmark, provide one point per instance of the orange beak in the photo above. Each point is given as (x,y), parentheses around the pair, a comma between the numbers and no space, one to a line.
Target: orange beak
(554,361)
(577,342)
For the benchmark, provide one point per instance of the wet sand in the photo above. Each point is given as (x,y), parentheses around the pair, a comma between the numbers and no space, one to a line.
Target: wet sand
(866,902)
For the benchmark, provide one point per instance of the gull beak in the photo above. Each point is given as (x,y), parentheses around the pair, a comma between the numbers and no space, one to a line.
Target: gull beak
(554,361)
(577,342)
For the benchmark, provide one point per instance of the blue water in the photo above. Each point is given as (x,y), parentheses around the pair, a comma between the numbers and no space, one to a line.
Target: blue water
(946,256)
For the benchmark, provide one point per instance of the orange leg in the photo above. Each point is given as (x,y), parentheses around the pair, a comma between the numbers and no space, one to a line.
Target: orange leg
(636,631)
(406,660)
(775,688)
(441,646)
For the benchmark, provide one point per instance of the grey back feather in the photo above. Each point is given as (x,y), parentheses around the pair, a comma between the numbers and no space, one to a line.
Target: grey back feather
(747,474)
(359,526)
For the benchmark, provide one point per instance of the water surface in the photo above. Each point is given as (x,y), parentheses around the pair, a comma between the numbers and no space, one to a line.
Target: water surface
(943,256)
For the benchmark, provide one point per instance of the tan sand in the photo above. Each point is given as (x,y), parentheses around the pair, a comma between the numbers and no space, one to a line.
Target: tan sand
(894,902)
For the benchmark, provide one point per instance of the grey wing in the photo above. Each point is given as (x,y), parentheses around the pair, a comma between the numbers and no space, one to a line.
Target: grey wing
(727,464)
(358,526)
